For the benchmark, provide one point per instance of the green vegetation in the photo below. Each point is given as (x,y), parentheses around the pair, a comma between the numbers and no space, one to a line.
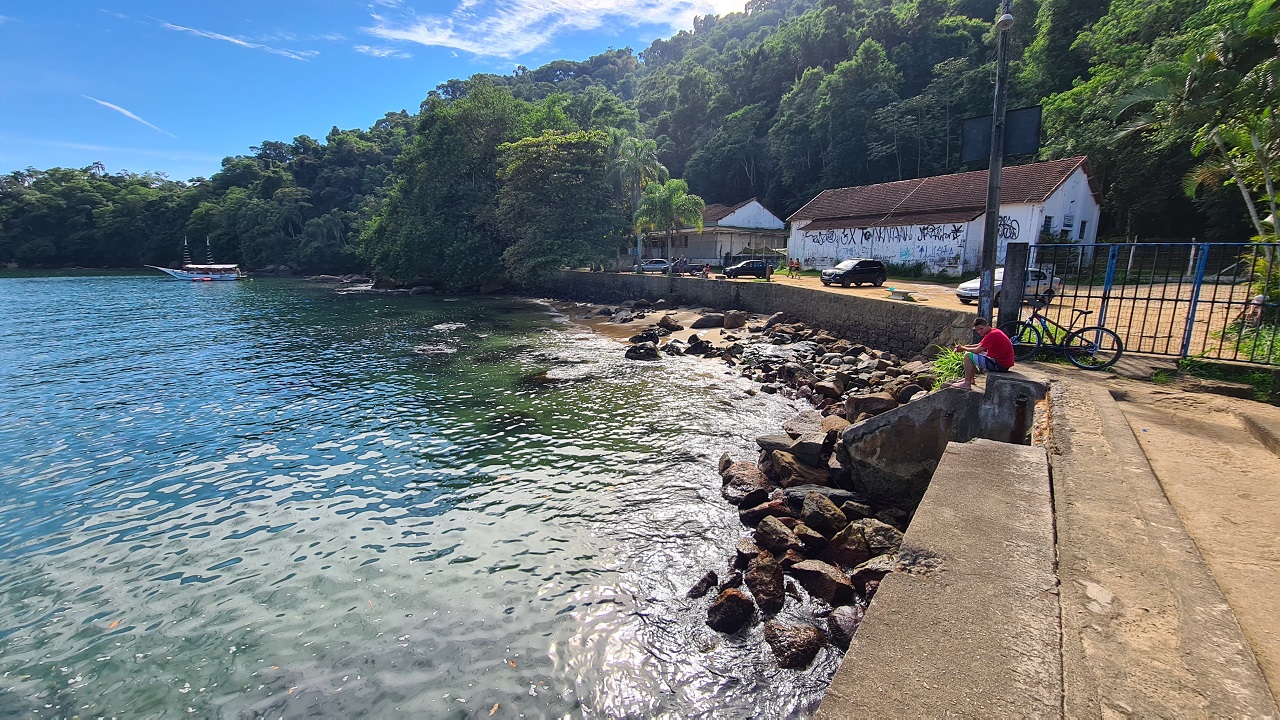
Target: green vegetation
(1263,381)
(947,366)
(514,175)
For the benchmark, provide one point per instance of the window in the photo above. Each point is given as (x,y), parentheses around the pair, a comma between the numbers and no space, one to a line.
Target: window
(1048,224)
(1083,223)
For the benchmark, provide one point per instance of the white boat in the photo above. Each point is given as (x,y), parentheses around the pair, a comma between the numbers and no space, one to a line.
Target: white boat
(201,273)
(205,273)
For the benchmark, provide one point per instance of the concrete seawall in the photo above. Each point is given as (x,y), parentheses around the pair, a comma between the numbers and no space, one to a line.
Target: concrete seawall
(904,328)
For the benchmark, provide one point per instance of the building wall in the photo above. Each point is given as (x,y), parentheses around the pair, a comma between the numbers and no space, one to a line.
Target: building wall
(907,329)
(1070,206)
(752,215)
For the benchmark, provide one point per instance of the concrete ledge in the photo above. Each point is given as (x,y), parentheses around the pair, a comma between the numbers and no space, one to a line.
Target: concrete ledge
(1263,425)
(971,628)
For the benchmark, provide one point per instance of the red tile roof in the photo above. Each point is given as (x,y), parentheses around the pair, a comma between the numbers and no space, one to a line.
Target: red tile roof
(716,213)
(942,198)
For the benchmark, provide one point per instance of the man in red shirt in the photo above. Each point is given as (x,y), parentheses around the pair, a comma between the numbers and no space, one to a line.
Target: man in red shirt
(994,353)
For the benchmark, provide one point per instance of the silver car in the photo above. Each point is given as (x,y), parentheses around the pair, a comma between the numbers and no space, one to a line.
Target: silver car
(1039,285)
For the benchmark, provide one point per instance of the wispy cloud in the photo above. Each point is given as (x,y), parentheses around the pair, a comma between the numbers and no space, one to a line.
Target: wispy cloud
(383,52)
(512,28)
(113,13)
(14,140)
(127,114)
(291,54)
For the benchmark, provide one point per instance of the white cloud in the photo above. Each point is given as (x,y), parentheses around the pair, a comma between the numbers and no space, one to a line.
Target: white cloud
(512,28)
(113,13)
(127,114)
(291,54)
(383,52)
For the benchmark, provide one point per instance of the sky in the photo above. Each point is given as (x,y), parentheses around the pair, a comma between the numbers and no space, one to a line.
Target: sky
(174,87)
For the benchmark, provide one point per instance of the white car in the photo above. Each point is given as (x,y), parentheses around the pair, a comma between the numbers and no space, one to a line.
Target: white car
(658,265)
(1039,285)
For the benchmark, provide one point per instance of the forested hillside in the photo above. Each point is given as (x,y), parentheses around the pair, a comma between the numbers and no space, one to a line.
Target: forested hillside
(517,173)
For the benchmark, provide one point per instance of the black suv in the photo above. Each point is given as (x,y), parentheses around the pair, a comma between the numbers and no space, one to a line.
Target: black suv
(746,267)
(856,271)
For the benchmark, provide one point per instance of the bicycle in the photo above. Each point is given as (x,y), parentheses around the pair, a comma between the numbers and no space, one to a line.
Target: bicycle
(1090,348)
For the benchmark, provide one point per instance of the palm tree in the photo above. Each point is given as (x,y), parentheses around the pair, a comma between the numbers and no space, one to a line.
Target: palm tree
(634,165)
(668,206)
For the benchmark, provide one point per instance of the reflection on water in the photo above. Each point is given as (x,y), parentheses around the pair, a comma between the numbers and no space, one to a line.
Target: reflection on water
(252,499)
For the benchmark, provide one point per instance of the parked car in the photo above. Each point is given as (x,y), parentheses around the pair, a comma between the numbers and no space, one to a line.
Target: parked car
(747,267)
(1039,285)
(658,265)
(856,271)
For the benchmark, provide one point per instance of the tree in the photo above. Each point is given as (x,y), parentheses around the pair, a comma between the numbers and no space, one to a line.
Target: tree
(633,165)
(669,206)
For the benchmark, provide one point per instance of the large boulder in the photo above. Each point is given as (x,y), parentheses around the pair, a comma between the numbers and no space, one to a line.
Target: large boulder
(769,443)
(855,510)
(795,646)
(642,351)
(810,449)
(703,586)
(710,320)
(734,319)
(745,551)
(668,322)
(740,480)
(806,422)
(834,423)
(831,388)
(774,319)
(824,581)
(775,537)
(765,580)
(872,404)
(842,623)
(796,495)
(881,537)
(848,549)
(874,570)
(774,508)
(812,540)
(821,514)
(730,612)
(649,336)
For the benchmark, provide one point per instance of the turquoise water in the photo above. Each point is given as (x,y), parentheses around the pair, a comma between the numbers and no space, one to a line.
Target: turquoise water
(265,499)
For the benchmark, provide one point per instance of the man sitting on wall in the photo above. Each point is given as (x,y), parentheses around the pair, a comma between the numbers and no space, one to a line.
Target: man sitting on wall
(994,353)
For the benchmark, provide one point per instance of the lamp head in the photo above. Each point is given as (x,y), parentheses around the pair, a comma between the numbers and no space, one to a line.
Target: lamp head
(1004,22)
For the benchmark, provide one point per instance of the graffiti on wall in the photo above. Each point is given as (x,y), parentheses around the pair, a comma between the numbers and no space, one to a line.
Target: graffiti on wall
(939,247)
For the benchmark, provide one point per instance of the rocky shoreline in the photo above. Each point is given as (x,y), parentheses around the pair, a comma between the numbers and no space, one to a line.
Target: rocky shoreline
(810,538)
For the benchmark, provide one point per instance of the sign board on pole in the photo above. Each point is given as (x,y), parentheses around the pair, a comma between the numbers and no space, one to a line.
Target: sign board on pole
(1021,135)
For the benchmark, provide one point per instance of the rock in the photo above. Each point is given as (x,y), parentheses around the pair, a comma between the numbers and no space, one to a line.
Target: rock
(870,588)
(622,316)
(790,522)
(733,581)
(873,404)
(843,623)
(855,510)
(882,538)
(774,508)
(796,495)
(765,580)
(774,319)
(810,449)
(769,443)
(725,462)
(759,496)
(907,392)
(604,311)
(745,551)
(821,514)
(641,303)
(795,646)
(734,319)
(731,610)
(824,581)
(422,290)
(874,569)
(674,348)
(645,336)
(840,474)
(848,549)
(703,586)
(642,351)
(831,388)
(805,423)
(790,557)
(834,423)
(668,322)
(490,288)
(812,540)
(740,479)
(325,279)
(791,471)
(894,517)
(775,537)
(710,320)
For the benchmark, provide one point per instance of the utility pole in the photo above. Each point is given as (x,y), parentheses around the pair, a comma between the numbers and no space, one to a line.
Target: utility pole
(986,287)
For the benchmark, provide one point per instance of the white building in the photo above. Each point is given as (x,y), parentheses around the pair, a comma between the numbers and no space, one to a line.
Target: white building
(745,229)
(939,221)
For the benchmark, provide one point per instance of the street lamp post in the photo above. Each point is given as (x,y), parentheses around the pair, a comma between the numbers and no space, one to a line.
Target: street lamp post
(986,287)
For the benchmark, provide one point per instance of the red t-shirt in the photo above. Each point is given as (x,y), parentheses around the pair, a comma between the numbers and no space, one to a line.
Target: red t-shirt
(998,348)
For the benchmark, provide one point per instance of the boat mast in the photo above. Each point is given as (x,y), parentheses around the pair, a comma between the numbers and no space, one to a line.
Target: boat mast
(208,250)
(186,251)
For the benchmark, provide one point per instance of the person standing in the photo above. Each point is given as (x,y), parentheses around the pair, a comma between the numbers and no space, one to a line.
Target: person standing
(993,353)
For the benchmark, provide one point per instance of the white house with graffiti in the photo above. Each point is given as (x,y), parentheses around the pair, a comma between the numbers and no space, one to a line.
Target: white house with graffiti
(939,221)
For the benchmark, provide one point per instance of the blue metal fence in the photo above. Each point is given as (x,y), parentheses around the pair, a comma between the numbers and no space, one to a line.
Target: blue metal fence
(1211,300)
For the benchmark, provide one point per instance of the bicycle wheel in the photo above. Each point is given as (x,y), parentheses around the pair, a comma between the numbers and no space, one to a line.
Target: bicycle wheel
(1093,348)
(1025,338)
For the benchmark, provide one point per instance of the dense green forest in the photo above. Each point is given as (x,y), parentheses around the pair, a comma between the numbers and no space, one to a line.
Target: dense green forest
(512,175)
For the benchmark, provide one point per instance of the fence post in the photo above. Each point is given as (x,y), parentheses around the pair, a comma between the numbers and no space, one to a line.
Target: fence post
(1202,261)
(1014,283)
(1113,253)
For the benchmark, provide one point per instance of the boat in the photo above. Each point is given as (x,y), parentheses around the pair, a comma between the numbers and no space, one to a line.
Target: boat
(207,272)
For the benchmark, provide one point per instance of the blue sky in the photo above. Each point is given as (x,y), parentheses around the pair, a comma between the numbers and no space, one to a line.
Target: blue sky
(176,86)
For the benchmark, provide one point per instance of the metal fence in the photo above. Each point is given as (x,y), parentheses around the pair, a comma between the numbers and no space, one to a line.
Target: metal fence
(1217,301)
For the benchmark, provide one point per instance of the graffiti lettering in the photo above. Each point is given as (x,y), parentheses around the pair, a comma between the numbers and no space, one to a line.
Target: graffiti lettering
(1008,228)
